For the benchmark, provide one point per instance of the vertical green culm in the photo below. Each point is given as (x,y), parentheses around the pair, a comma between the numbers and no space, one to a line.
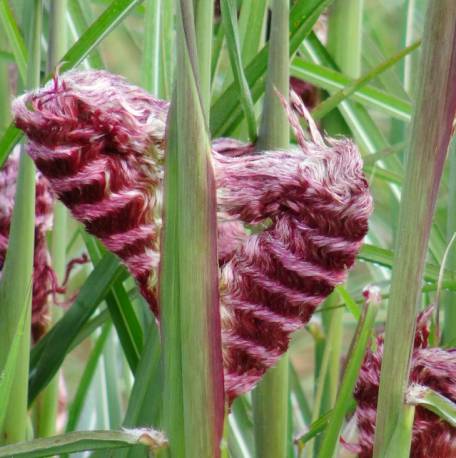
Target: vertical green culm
(270,398)
(429,138)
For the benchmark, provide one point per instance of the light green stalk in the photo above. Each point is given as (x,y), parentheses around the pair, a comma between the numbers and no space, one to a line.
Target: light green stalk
(429,137)
(449,297)
(344,43)
(16,282)
(270,398)
(151,54)
(47,402)
(192,359)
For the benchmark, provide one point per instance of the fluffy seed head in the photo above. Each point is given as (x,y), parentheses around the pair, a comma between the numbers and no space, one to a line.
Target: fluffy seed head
(430,367)
(100,141)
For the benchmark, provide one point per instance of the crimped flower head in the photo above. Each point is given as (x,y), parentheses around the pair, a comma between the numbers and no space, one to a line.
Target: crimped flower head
(313,203)
(434,368)
(100,142)
(43,277)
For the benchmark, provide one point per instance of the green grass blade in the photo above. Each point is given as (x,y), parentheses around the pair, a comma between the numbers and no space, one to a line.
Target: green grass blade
(47,357)
(79,19)
(121,309)
(271,396)
(331,102)
(15,38)
(229,16)
(358,349)
(16,281)
(430,135)
(332,80)
(385,257)
(251,27)
(97,31)
(81,441)
(302,18)
(433,401)
(77,404)
(8,370)
(9,140)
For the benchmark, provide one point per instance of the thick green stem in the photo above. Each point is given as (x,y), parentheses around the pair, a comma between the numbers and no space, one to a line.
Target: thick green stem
(344,43)
(429,138)
(47,402)
(270,398)
(151,54)
(192,359)
(16,283)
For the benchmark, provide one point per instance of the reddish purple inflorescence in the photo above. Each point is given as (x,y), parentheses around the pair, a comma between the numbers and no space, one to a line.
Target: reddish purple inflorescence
(434,368)
(43,277)
(100,142)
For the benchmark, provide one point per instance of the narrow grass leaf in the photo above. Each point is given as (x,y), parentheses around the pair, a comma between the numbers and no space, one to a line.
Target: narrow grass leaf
(79,399)
(229,15)
(122,312)
(303,16)
(331,102)
(9,369)
(358,348)
(15,38)
(48,355)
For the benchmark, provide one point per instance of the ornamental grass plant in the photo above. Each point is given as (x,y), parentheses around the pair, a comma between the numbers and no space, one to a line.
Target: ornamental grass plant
(226,228)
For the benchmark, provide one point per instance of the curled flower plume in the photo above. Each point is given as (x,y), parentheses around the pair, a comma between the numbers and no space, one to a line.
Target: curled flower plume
(100,142)
(434,368)
(43,276)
